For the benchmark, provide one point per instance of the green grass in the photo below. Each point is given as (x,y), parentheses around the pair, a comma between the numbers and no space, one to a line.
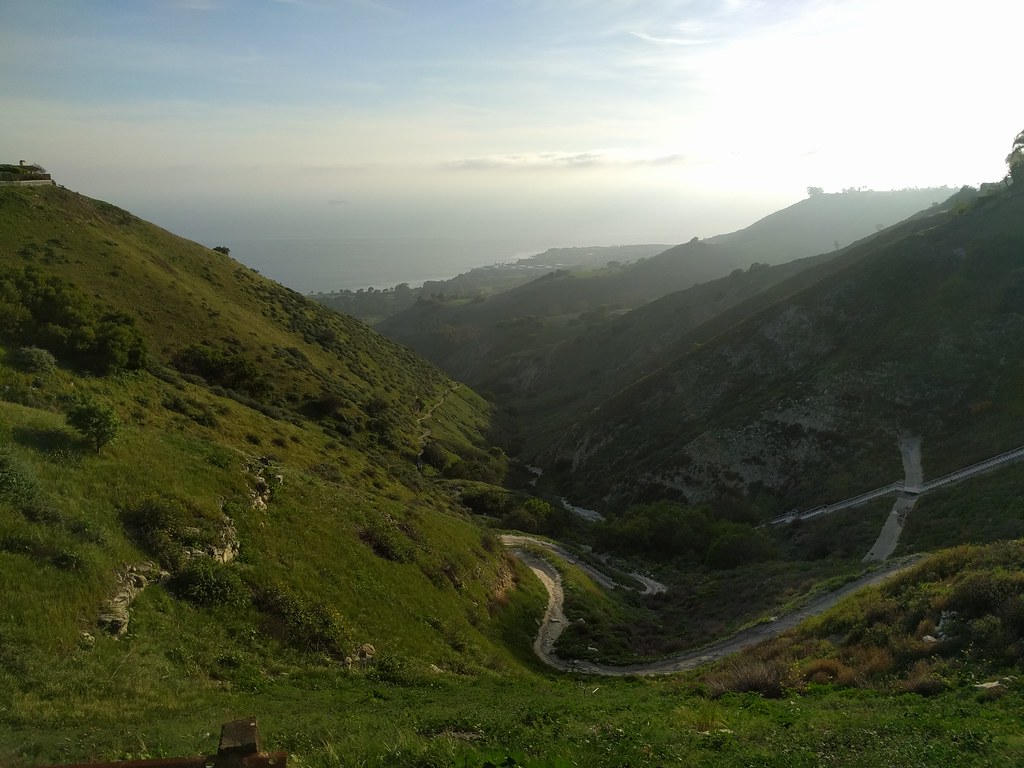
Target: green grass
(333,718)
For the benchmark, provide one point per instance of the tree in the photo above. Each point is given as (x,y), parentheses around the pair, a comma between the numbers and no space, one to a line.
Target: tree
(1015,160)
(222,249)
(96,421)
(814,191)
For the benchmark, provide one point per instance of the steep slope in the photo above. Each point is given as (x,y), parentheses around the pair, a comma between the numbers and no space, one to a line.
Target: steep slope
(824,222)
(804,401)
(471,338)
(261,485)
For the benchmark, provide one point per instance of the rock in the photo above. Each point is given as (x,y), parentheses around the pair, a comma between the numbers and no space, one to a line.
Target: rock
(366,652)
(930,639)
(114,616)
(989,686)
(86,641)
(436,669)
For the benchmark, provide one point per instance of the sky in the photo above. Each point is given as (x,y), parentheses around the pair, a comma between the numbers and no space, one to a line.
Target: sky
(561,122)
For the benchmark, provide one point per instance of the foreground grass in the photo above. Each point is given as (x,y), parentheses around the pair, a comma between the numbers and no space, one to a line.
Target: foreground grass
(336,718)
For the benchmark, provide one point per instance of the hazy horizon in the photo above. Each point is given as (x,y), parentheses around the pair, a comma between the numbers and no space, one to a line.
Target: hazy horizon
(554,123)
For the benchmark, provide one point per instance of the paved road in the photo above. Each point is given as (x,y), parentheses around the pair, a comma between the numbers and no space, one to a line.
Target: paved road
(996,462)
(889,536)
(649,585)
(555,621)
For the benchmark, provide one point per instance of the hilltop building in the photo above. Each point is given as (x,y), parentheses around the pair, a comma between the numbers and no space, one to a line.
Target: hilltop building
(24,175)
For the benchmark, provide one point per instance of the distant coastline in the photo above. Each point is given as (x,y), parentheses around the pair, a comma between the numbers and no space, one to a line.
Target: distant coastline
(334,264)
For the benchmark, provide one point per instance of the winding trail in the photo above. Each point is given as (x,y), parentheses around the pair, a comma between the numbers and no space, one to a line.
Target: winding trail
(518,541)
(430,412)
(555,621)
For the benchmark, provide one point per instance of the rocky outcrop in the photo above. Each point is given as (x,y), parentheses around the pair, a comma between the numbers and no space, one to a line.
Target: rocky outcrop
(224,549)
(263,482)
(115,614)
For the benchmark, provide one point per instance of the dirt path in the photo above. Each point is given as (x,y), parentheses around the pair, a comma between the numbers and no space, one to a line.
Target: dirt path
(555,621)
(430,412)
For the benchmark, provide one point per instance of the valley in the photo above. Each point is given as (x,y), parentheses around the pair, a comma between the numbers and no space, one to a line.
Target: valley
(354,545)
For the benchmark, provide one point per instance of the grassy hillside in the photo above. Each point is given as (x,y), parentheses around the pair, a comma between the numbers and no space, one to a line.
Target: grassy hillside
(246,419)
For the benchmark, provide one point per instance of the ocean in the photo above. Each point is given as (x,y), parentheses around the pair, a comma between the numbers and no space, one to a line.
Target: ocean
(325,265)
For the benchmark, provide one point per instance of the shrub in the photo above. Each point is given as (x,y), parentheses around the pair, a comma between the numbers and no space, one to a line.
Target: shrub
(309,625)
(164,526)
(387,540)
(739,548)
(17,483)
(47,310)
(923,681)
(39,510)
(981,593)
(36,360)
(744,674)
(227,368)
(827,671)
(488,501)
(210,584)
(389,668)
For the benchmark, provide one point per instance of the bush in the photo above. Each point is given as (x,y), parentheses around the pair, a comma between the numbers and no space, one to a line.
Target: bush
(828,671)
(743,675)
(923,681)
(739,548)
(47,310)
(209,584)
(36,360)
(389,668)
(17,483)
(387,540)
(227,368)
(309,625)
(488,501)
(164,526)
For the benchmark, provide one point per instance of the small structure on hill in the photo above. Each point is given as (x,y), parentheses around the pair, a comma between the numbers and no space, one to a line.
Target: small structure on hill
(24,175)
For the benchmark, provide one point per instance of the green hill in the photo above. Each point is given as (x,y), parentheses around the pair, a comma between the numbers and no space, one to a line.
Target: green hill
(253,422)
(803,400)
(505,343)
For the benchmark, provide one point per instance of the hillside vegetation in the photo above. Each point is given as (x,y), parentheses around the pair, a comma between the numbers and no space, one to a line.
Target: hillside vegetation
(219,499)
(468,333)
(254,468)
(803,400)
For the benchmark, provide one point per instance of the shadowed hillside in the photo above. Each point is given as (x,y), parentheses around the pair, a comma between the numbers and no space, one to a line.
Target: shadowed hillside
(496,343)
(803,401)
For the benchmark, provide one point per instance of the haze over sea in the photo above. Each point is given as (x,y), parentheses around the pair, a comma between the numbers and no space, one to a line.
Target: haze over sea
(311,265)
